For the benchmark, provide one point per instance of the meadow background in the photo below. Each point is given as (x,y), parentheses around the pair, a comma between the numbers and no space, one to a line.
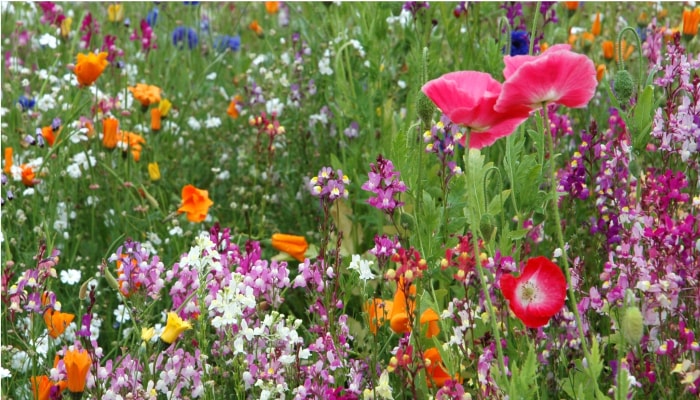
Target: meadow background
(260,102)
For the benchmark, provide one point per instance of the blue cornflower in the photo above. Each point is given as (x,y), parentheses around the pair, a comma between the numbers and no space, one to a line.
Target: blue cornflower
(26,103)
(179,35)
(152,17)
(519,43)
(227,42)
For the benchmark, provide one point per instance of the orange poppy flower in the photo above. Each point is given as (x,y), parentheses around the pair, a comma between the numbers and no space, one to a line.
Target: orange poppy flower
(57,322)
(608,49)
(233,106)
(571,5)
(272,7)
(431,318)
(195,202)
(110,131)
(28,176)
(595,29)
(49,135)
(600,72)
(587,40)
(255,27)
(77,363)
(626,51)
(402,311)
(8,160)
(146,94)
(89,67)
(434,369)
(378,310)
(691,19)
(133,141)
(155,119)
(293,245)
(41,386)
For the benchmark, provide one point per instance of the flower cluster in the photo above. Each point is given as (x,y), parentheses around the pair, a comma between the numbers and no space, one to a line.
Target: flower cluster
(385,184)
(329,185)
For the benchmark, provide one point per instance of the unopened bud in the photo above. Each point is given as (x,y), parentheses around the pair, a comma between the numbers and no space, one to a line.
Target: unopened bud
(632,325)
(623,86)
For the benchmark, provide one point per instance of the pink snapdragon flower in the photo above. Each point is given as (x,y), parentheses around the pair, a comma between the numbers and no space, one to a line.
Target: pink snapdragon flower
(468,98)
(556,76)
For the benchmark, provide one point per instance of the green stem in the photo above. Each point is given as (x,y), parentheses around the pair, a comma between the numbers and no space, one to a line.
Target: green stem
(560,238)
(480,272)
(534,28)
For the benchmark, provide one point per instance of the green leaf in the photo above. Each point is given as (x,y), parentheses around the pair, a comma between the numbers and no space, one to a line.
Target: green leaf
(643,118)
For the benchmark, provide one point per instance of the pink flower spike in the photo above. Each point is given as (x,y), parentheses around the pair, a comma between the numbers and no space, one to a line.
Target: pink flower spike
(558,76)
(467,98)
(537,294)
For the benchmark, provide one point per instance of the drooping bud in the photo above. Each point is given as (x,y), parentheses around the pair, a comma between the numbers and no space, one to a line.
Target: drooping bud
(623,86)
(632,325)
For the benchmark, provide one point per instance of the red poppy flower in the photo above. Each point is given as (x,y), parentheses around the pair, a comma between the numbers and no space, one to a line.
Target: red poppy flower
(556,76)
(468,98)
(537,294)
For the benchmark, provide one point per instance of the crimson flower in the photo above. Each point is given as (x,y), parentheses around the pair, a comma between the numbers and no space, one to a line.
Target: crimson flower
(468,98)
(537,294)
(556,76)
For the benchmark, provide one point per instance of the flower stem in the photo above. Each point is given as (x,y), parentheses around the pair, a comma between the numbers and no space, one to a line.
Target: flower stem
(480,271)
(560,238)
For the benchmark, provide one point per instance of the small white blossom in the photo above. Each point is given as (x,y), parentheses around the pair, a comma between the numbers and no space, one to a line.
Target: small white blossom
(362,266)
(70,276)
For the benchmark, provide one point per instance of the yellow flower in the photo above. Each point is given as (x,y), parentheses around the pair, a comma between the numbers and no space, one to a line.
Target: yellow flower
(115,12)
(164,107)
(174,327)
(153,171)
(89,67)
(65,26)
(147,333)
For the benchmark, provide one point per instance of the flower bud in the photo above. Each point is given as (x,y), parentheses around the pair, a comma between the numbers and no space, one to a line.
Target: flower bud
(632,325)
(623,86)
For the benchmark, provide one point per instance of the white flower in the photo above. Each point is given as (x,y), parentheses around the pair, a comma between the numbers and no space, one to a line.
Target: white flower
(70,276)
(383,387)
(5,373)
(362,266)
(121,314)
(212,122)
(274,107)
(46,102)
(211,76)
(194,124)
(48,40)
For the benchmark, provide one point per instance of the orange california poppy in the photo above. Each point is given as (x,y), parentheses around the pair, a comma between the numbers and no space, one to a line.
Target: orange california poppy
(626,51)
(600,72)
(272,7)
(110,131)
(146,94)
(57,322)
(595,28)
(378,311)
(41,386)
(233,106)
(174,327)
(403,309)
(691,19)
(431,318)
(89,67)
(293,245)
(434,369)
(77,363)
(155,119)
(47,133)
(255,27)
(8,160)
(587,40)
(28,176)
(608,49)
(571,5)
(133,141)
(195,202)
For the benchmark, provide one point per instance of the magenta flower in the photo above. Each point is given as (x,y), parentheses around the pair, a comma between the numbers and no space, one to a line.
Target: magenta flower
(537,294)
(467,98)
(556,76)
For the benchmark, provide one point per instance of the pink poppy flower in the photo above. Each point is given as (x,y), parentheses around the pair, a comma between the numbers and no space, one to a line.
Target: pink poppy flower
(468,98)
(537,294)
(556,76)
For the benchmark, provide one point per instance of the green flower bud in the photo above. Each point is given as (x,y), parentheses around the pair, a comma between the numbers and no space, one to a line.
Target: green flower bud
(487,226)
(632,325)
(425,109)
(623,86)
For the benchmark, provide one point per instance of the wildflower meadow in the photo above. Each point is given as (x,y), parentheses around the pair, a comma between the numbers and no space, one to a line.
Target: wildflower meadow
(365,200)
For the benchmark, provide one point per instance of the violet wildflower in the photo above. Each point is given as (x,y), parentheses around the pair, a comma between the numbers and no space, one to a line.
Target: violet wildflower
(181,33)
(414,7)
(147,37)
(460,9)
(329,185)
(89,28)
(519,43)
(152,17)
(385,184)
(225,42)
(353,130)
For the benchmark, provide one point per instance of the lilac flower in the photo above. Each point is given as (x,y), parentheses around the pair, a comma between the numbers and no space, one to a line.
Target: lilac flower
(383,181)
(329,185)
(353,130)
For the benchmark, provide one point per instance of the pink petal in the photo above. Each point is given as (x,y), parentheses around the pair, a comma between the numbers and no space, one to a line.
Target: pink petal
(561,77)
(515,62)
